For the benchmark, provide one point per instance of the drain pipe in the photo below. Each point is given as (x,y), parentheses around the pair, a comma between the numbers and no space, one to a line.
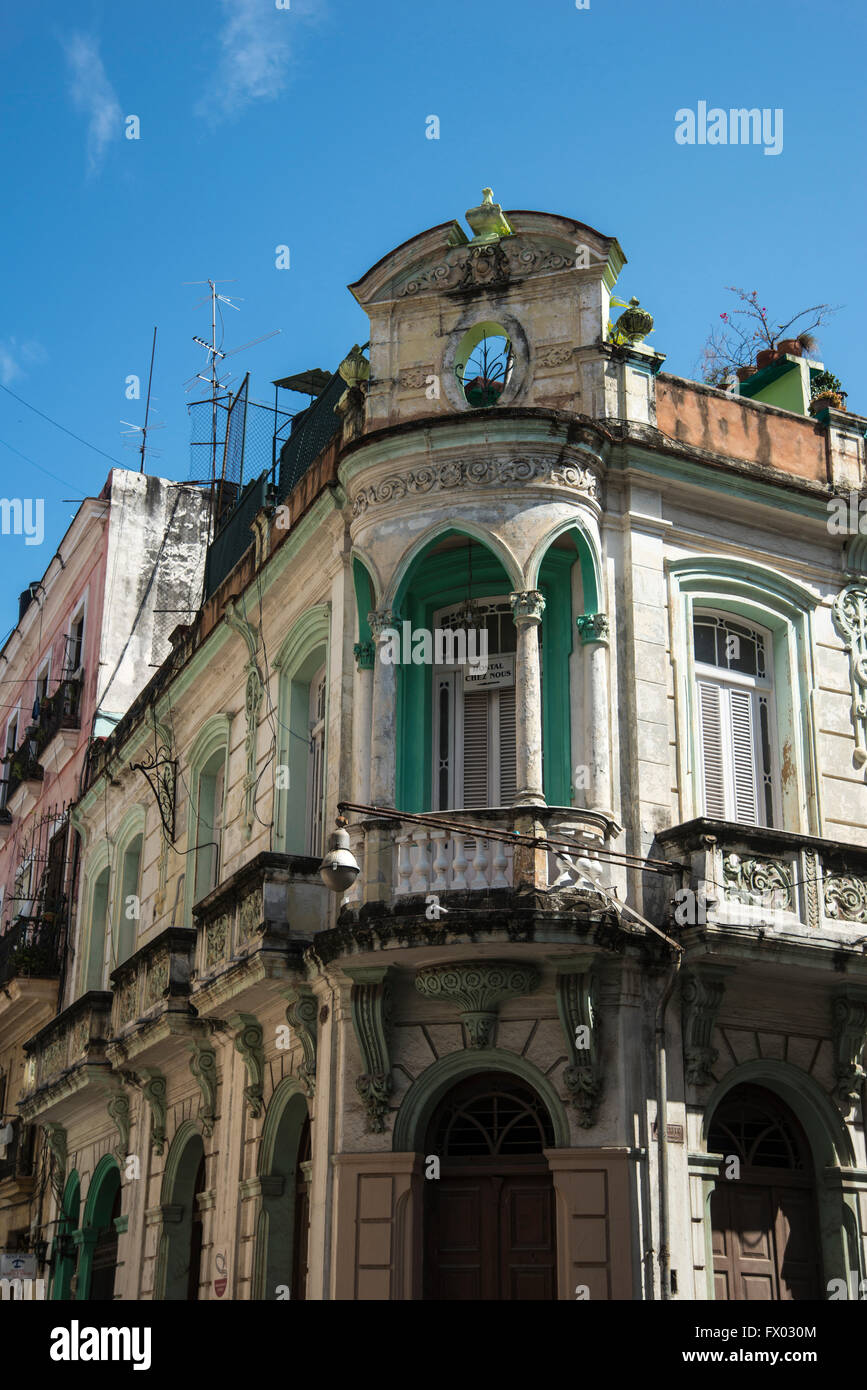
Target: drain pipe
(662,1130)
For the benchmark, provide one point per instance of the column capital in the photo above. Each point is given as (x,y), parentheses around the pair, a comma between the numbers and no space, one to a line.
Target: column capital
(593,627)
(528,606)
(380,619)
(365,654)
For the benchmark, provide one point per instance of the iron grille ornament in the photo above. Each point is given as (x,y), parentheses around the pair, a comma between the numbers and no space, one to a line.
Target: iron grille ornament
(486,372)
(161,771)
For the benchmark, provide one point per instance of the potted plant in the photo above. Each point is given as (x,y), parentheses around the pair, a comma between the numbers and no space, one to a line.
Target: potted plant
(826,391)
(748,336)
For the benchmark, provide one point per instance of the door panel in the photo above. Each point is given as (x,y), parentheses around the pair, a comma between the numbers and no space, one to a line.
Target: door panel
(764,1243)
(527,1239)
(491,1238)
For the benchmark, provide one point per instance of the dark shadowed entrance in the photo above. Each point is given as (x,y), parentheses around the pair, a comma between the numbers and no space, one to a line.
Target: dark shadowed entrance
(765,1238)
(489,1218)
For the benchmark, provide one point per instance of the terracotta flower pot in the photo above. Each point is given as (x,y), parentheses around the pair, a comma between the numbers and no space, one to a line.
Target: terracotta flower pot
(828,399)
(790,346)
(744,373)
(766,357)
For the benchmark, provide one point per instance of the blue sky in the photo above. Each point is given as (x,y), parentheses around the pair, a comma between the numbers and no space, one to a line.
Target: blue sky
(262,127)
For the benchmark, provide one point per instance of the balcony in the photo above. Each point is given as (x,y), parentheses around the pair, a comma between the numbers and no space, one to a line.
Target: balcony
(427,857)
(747,882)
(31,949)
(152,998)
(253,927)
(66,1056)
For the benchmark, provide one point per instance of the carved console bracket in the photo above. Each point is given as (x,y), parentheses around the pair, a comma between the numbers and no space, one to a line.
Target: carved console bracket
(579,1015)
(478,988)
(203,1065)
(253,703)
(249,1042)
(55,1138)
(152,1085)
(302,1015)
(701,994)
(849,1015)
(371,1019)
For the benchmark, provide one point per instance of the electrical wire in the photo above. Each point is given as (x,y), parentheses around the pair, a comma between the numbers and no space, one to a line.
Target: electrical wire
(58,426)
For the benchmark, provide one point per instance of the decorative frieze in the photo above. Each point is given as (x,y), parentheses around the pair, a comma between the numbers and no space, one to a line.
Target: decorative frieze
(302,1015)
(849,613)
(845,897)
(478,988)
(766,883)
(216,939)
(579,1016)
(701,994)
(250,915)
(484,472)
(127,1000)
(157,980)
(371,1019)
(849,1017)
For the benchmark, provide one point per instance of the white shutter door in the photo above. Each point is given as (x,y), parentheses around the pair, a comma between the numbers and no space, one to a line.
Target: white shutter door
(713,758)
(508,768)
(743,757)
(475,748)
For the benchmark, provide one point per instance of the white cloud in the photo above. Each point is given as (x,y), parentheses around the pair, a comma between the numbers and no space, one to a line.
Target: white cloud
(15,357)
(255,47)
(93,94)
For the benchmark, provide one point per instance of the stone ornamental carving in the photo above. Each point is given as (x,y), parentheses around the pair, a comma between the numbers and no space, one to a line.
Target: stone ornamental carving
(478,988)
(79,1039)
(849,1017)
(845,897)
(216,937)
(593,627)
(555,356)
(203,1065)
(365,655)
(579,1016)
(158,978)
(54,1056)
(701,994)
(415,378)
(250,915)
(127,1001)
(153,1085)
(849,612)
(302,1013)
(478,473)
(55,1138)
(371,1005)
(249,1042)
(765,883)
(528,606)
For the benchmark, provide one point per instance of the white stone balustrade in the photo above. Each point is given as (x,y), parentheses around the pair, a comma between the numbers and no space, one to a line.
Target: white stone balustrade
(437,861)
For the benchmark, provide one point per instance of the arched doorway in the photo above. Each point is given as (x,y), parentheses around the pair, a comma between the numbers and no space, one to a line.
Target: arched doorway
(763,1218)
(284,1218)
(489,1217)
(180,1253)
(70,1209)
(99,1236)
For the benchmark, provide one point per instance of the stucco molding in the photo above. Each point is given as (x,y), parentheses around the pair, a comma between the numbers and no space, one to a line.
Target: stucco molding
(486,472)
(478,988)
(249,1042)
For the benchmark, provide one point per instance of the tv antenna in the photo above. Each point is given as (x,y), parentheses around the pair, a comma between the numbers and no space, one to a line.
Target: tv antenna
(143,429)
(212,369)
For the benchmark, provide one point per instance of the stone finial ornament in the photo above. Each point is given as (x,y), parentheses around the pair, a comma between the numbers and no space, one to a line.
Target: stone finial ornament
(487,221)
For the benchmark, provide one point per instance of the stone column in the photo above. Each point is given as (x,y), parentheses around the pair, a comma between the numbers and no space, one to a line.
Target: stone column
(365,656)
(593,628)
(527,609)
(379,834)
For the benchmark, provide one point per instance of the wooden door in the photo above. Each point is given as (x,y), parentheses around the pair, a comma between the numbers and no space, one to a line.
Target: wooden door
(489,1221)
(764,1232)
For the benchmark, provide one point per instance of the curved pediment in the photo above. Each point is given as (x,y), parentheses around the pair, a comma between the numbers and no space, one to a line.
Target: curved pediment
(443,261)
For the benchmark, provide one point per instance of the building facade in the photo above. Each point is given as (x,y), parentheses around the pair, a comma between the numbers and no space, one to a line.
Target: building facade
(88,637)
(590,1020)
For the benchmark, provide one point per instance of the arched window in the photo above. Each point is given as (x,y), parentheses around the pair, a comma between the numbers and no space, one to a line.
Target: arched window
(280,1260)
(209,824)
(99,940)
(734,677)
(130,899)
(316,761)
(300,778)
(65,1250)
(179,1260)
(99,1234)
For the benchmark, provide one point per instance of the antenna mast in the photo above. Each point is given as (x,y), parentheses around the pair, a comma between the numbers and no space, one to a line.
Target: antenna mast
(144,433)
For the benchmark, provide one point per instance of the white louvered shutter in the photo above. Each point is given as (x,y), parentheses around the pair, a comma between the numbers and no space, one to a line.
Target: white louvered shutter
(508,768)
(713,749)
(741,710)
(476,706)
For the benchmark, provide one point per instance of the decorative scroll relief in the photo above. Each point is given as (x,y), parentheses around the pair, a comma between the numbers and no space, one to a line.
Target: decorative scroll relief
(557,355)
(371,1005)
(849,612)
(766,883)
(478,473)
(478,988)
(415,378)
(849,1017)
(845,897)
(492,265)
(701,994)
(579,1015)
